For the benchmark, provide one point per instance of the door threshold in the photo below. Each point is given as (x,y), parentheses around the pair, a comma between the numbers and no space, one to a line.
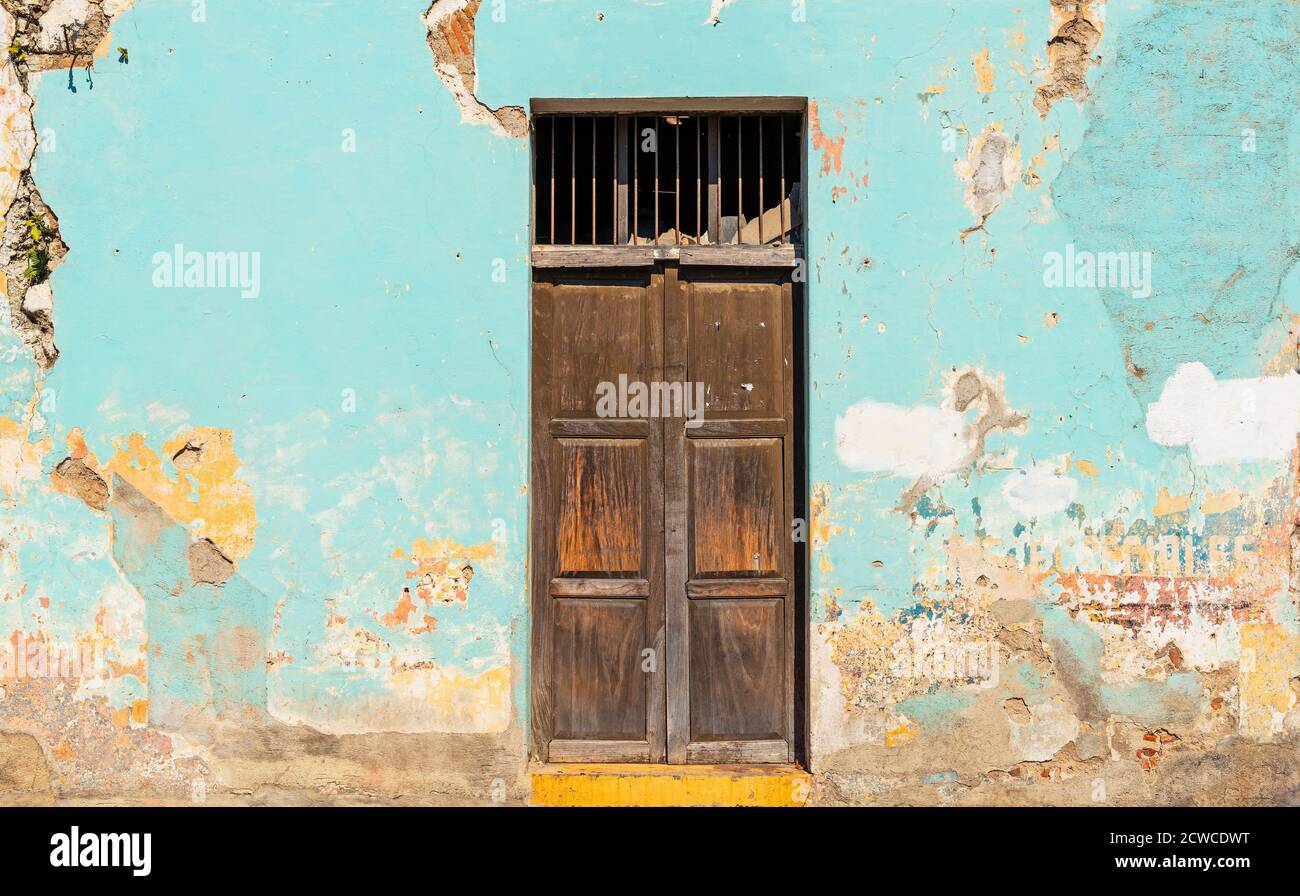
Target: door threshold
(656,784)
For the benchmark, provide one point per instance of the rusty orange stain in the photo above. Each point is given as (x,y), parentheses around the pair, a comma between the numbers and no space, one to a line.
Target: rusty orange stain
(831,148)
(76,443)
(1134,600)
(458,28)
(135,714)
(402,612)
(120,669)
(430,625)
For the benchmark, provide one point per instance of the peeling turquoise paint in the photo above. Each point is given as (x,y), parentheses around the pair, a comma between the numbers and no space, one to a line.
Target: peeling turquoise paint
(377,283)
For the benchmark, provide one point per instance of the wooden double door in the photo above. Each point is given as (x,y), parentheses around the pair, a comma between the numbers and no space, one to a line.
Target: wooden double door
(662,560)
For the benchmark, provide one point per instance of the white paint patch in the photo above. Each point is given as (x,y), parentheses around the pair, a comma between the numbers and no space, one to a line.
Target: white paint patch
(62,14)
(875,437)
(1040,491)
(1050,727)
(991,170)
(472,110)
(1227,421)
(835,726)
(39,299)
(715,13)
(19,136)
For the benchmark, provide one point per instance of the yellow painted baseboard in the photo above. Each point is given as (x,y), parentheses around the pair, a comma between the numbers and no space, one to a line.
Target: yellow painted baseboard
(591,784)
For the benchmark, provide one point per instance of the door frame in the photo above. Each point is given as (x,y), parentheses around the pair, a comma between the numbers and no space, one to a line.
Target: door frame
(797,475)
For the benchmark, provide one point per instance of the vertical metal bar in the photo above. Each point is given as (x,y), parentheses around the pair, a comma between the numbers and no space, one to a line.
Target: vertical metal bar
(740,180)
(761,207)
(656,180)
(636,179)
(715,178)
(532,178)
(677,182)
(613,182)
(593,180)
(551,122)
(699,228)
(573,180)
(797,214)
(784,230)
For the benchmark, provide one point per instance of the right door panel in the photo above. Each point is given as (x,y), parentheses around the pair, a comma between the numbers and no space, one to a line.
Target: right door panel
(729,506)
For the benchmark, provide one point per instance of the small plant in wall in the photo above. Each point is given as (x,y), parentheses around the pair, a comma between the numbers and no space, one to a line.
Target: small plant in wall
(38,254)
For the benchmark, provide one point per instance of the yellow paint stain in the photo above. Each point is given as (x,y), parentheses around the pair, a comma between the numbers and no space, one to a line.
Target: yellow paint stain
(1270,658)
(1087,468)
(445,547)
(1168,505)
(1221,502)
(820,528)
(903,733)
(206,494)
(983,72)
(459,700)
(1050,143)
(831,148)
(581,784)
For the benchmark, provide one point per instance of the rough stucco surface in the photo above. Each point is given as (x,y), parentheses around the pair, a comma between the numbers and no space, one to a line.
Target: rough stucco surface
(291,527)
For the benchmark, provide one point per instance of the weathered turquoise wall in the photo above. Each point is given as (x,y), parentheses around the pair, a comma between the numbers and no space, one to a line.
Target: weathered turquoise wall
(294,524)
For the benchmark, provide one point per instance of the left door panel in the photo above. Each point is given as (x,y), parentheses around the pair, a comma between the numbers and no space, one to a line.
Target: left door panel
(597,556)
